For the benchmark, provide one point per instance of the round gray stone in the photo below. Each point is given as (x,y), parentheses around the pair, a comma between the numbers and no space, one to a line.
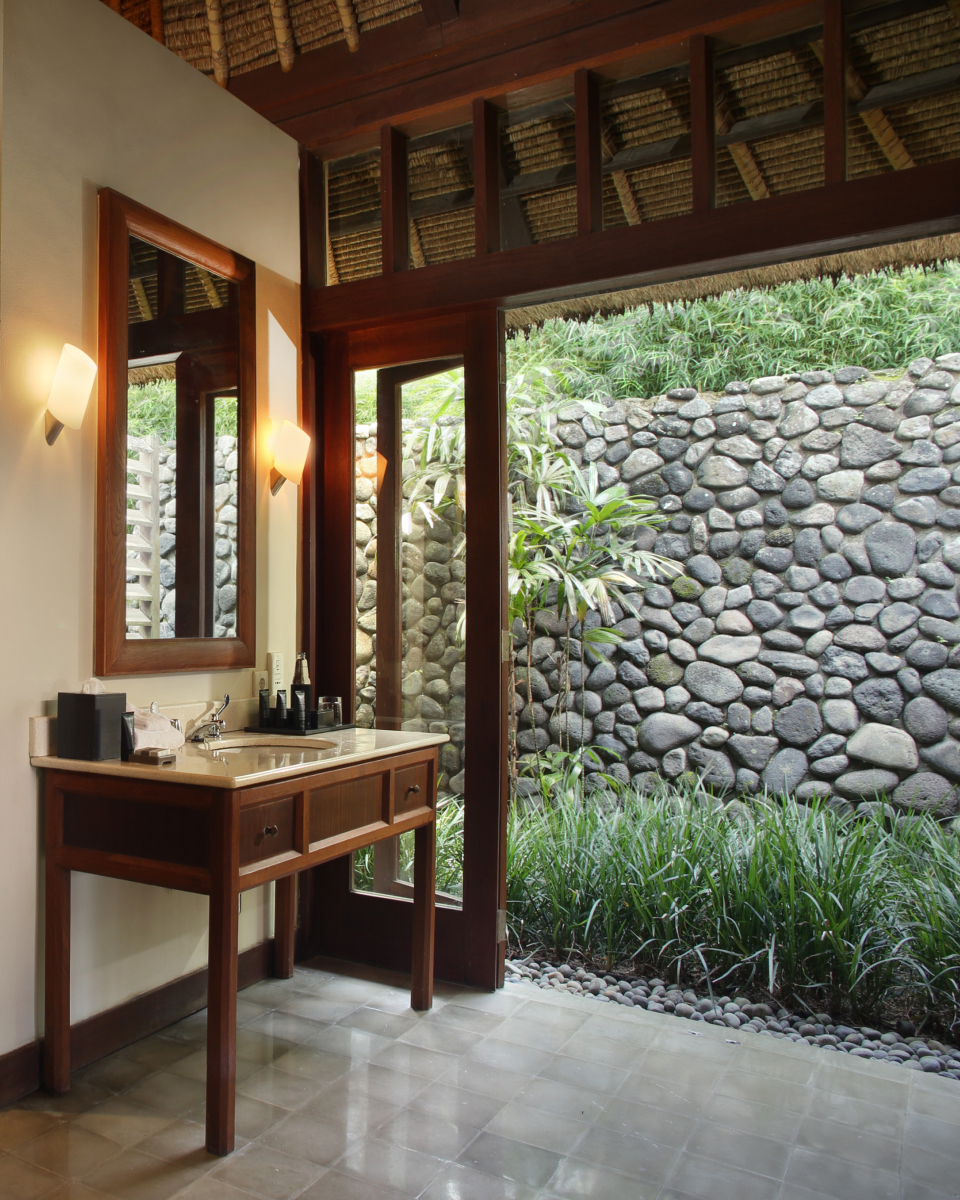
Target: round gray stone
(863,446)
(923,480)
(798,724)
(703,568)
(866,785)
(944,756)
(943,685)
(845,663)
(879,699)
(860,638)
(855,518)
(926,656)
(925,720)
(713,683)
(721,472)
(884,746)
(940,604)
(927,792)
(918,510)
(785,771)
(895,618)
(835,568)
(798,494)
(663,731)
(891,548)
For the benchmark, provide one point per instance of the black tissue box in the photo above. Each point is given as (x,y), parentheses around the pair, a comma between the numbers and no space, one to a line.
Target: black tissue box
(89,726)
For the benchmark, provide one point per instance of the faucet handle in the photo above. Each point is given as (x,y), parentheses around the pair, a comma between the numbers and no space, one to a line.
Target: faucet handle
(226,700)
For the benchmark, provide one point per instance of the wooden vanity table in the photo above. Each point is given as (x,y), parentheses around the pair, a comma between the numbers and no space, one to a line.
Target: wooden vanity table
(222,820)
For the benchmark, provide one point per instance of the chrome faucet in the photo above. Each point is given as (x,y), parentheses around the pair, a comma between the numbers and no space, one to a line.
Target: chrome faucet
(213,729)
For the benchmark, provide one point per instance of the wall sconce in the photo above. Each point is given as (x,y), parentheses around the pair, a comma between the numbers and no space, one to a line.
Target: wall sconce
(69,392)
(289,456)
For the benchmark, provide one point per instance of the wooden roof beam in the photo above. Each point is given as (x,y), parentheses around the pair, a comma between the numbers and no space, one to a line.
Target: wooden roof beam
(156,21)
(348,20)
(283,32)
(218,42)
(740,152)
(875,119)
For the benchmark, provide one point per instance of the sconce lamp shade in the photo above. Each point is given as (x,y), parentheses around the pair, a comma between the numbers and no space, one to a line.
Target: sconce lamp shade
(289,456)
(70,391)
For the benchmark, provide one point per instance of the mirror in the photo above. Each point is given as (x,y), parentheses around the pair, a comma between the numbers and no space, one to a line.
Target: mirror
(175,557)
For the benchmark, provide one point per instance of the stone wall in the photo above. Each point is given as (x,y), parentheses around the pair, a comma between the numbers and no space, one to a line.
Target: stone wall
(811,644)
(225,482)
(432,594)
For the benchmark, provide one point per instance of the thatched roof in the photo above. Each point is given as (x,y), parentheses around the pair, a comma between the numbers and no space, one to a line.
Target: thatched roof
(924,252)
(255,33)
(903,85)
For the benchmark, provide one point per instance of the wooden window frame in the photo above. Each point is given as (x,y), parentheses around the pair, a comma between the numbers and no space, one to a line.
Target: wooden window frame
(118,218)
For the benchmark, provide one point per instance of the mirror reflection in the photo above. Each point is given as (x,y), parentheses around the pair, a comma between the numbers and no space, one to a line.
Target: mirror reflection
(184,469)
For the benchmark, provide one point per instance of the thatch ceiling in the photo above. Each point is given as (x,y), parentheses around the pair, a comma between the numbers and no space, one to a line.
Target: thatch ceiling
(903,85)
(229,37)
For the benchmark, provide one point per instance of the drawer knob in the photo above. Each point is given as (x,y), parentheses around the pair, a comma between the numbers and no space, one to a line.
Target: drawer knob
(270,830)
(415,788)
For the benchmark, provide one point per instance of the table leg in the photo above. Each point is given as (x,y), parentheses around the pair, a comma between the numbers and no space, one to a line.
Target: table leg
(222,977)
(424,888)
(284,910)
(56,1035)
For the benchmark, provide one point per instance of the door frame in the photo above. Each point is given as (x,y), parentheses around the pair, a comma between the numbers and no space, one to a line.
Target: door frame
(334,919)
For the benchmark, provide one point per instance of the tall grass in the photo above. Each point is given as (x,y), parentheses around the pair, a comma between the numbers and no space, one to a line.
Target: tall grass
(815,908)
(880,321)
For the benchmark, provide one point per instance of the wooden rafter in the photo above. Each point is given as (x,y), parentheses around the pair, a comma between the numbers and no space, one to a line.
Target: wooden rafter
(283,32)
(621,181)
(156,21)
(417,256)
(875,119)
(348,19)
(333,275)
(209,287)
(740,152)
(218,42)
(140,294)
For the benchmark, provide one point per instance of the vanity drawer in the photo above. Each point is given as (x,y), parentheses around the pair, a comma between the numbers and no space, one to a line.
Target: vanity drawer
(267,829)
(340,808)
(411,789)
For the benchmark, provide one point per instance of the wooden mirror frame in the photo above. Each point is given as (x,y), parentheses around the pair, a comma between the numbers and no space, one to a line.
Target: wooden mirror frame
(118,218)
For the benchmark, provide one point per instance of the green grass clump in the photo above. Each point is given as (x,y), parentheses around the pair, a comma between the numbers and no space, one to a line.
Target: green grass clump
(879,321)
(860,915)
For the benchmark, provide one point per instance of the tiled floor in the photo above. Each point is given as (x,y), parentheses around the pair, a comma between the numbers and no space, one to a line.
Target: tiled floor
(345,1094)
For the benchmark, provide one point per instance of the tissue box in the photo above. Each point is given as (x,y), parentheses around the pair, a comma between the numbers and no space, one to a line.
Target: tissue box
(89,726)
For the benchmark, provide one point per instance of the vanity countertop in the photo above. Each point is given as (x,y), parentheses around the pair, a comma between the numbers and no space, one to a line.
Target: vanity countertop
(242,759)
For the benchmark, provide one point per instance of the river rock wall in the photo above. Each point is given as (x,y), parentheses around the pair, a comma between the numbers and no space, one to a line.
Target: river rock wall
(811,644)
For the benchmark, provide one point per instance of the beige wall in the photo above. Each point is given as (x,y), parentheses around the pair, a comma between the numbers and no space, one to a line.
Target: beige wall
(90,101)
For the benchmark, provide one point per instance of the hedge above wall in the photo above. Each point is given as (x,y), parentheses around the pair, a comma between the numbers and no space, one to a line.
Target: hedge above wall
(812,643)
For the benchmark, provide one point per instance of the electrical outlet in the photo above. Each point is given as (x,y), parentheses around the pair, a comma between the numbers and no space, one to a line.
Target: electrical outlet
(275,670)
(261,680)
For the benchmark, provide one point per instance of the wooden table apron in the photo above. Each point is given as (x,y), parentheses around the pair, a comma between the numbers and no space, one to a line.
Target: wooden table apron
(219,842)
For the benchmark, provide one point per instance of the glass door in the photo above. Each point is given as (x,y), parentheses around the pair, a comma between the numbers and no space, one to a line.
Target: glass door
(411,615)
(425,431)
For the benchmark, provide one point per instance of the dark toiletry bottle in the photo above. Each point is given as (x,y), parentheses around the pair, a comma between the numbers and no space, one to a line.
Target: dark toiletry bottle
(126,735)
(280,712)
(264,706)
(298,710)
(301,681)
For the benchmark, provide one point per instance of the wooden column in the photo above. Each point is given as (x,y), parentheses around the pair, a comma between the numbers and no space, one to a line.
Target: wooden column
(589,152)
(486,703)
(486,177)
(834,93)
(313,221)
(703,144)
(389,635)
(284,919)
(424,914)
(222,971)
(336,572)
(394,214)
(56,1034)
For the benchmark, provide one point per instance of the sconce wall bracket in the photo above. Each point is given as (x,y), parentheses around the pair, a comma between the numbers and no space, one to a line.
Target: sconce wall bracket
(52,427)
(276,481)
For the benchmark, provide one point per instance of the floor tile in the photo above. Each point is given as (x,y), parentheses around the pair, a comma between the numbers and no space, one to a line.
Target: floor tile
(268,1173)
(638,1157)
(930,1133)
(68,1150)
(509,1159)
(537,1128)
(647,1121)
(354,1044)
(372,1020)
(279,1088)
(319,1140)
(313,1064)
(123,1121)
(734,1148)
(837,1176)
(167,1093)
(448,1039)
(706,1179)
(456,1104)
(406,1171)
(494,1053)
(588,1181)
(434,1136)
(73,1189)
(333,1185)
(180,1141)
(849,1142)
(489,1081)
(287,1026)
(21,1180)
(562,1099)
(930,1168)
(18,1126)
(358,1113)
(458,1182)
(580,1073)
(134,1175)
